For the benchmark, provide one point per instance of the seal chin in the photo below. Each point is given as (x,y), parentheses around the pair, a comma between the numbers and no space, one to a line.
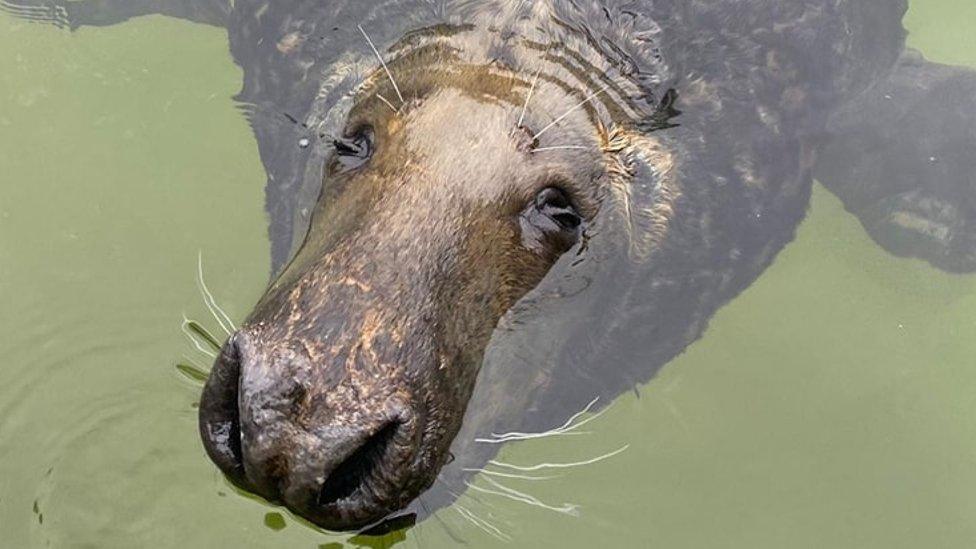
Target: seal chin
(342,473)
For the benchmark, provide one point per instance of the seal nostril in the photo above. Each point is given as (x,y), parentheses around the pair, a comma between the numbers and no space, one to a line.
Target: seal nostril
(220,425)
(356,470)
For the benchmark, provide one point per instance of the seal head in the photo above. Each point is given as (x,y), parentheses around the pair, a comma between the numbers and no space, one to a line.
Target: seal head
(342,392)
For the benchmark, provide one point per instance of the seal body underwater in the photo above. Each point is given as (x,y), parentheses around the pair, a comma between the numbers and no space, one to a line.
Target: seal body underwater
(485,215)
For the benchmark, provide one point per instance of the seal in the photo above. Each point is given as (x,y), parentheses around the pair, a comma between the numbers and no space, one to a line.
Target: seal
(486,214)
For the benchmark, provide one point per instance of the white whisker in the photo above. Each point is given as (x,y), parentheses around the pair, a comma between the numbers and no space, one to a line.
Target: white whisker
(387,101)
(564,427)
(208,299)
(559,147)
(382,62)
(470,518)
(515,495)
(567,428)
(567,113)
(530,436)
(585,409)
(528,97)
(193,340)
(559,465)
(467,495)
(483,524)
(507,475)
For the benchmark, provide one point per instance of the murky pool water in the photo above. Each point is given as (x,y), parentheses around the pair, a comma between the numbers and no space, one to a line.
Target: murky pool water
(833,404)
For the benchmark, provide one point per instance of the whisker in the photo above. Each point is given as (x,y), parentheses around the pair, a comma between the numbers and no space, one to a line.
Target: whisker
(559,465)
(529,436)
(467,495)
(507,475)
(567,113)
(447,487)
(202,334)
(528,97)
(192,371)
(585,409)
(382,62)
(483,524)
(440,520)
(571,419)
(464,494)
(559,147)
(387,101)
(208,299)
(461,511)
(566,428)
(185,328)
(515,495)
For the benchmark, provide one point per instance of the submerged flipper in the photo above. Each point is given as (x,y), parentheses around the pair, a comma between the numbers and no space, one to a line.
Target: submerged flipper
(902,157)
(72,14)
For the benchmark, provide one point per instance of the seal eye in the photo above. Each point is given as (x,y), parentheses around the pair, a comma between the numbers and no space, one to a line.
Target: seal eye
(354,151)
(554,204)
(550,222)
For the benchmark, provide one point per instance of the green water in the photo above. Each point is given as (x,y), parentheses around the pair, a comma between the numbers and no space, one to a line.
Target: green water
(832,405)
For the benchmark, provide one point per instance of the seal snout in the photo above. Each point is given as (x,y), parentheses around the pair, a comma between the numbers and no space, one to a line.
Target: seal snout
(342,463)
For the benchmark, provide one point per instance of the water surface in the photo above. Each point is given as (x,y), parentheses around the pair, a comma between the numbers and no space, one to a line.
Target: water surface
(831,405)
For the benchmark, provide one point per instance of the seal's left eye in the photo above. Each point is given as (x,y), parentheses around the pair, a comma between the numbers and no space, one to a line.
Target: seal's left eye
(353,151)
(550,223)
(554,204)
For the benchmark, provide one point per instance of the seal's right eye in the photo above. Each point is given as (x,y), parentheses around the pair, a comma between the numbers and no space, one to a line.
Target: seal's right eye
(354,151)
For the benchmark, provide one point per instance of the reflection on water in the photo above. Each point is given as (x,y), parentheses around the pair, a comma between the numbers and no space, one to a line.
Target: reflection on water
(829,405)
